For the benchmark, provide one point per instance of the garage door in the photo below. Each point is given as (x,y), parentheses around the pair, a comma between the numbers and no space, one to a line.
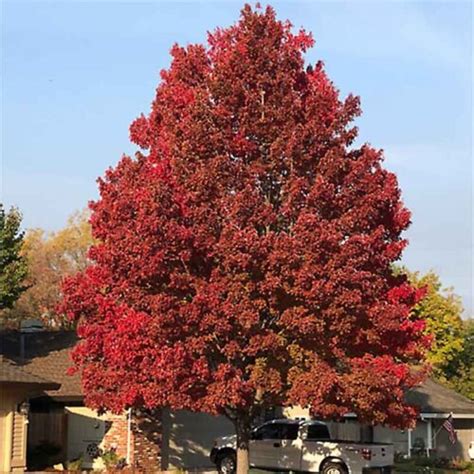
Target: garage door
(189,437)
(86,431)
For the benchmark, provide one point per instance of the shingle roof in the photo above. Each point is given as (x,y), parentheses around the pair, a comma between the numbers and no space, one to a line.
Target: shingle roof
(47,355)
(55,366)
(432,397)
(10,372)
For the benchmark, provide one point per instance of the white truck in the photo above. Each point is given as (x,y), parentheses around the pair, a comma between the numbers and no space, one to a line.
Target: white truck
(300,445)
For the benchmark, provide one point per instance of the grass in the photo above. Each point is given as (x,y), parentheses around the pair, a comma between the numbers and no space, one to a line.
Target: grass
(411,467)
(406,467)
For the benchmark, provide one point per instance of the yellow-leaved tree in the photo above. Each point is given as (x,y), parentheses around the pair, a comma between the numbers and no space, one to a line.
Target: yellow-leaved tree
(450,353)
(51,256)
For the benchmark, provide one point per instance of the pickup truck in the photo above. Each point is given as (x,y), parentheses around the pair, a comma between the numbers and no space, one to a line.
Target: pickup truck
(299,445)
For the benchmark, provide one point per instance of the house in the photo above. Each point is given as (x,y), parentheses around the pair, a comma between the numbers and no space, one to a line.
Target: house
(17,387)
(59,423)
(183,439)
(436,403)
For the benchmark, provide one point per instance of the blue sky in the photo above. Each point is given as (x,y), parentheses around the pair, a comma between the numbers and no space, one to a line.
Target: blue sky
(75,74)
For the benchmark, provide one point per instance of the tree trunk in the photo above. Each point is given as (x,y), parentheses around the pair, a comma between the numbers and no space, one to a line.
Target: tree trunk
(242,428)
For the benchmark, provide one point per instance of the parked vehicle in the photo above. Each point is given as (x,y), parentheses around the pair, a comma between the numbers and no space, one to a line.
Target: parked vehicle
(471,450)
(298,445)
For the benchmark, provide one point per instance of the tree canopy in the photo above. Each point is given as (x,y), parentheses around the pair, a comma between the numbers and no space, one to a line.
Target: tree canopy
(13,267)
(51,256)
(442,310)
(451,352)
(244,256)
(459,374)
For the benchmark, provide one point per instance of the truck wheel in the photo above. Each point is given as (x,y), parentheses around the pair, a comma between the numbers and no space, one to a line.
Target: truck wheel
(332,467)
(227,463)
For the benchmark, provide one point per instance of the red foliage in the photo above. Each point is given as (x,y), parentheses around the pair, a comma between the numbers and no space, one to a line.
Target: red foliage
(245,259)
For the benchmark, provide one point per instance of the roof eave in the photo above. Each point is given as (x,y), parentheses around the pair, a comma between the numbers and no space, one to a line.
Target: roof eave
(46,385)
(455,415)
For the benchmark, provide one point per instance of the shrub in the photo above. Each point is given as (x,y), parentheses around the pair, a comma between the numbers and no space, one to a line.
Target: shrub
(461,465)
(75,464)
(112,461)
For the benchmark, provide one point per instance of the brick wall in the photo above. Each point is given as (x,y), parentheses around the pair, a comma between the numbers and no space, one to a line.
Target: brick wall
(147,437)
(116,433)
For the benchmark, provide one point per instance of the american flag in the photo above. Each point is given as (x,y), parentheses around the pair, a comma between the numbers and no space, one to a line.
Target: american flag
(449,427)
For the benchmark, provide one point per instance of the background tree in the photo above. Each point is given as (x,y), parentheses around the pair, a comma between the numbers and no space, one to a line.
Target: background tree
(452,350)
(13,267)
(460,371)
(51,257)
(442,310)
(245,260)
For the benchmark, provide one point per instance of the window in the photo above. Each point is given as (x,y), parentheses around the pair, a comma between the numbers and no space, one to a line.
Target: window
(276,431)
(289,431)
(317,433)
(269,431)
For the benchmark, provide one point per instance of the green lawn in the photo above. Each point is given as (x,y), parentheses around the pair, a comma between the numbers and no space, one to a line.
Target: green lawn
(413,468)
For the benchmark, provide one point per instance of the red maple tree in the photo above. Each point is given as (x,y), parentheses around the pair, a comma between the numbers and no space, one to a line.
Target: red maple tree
(245,254)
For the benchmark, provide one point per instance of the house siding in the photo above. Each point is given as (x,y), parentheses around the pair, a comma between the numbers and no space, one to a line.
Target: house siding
(465,434)
(13,429)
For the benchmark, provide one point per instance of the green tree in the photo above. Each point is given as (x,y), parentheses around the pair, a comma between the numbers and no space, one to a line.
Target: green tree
(460,371)
(442,310)
(13,266)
